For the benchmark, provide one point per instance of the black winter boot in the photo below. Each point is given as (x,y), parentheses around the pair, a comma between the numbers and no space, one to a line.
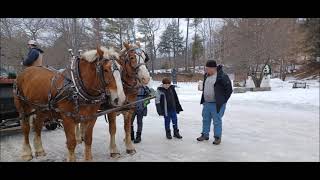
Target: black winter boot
(138,137)
(176,134)
(168,134)
(132,133)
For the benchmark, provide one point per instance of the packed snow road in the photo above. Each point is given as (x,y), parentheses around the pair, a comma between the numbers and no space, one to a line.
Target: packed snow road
(277,125)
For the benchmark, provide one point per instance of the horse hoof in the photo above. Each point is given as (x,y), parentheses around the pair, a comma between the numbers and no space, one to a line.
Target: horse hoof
(115,155)
(71,160)
(88,157)
(88,160)
(41,153)
(27,157)
(131,151)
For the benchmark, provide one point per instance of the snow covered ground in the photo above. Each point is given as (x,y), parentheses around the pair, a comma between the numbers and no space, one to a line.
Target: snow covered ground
(277,125)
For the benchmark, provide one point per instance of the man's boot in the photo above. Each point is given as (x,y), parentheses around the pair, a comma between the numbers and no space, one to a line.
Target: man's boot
(217,140)
(203,137)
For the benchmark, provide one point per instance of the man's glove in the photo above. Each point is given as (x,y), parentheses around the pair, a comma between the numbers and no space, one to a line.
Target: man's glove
(145,103)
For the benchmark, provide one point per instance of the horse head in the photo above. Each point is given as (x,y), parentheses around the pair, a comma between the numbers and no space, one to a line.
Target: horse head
(108,71)
(135,60)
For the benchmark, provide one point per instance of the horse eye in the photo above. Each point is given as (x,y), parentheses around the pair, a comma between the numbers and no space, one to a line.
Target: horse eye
(147,57)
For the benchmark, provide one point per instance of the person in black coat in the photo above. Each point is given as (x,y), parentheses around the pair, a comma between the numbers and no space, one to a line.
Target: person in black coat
(168,105)
(217,89)
(140,111)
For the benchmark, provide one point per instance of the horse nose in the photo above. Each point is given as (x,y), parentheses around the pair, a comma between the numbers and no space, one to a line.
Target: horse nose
(116,100)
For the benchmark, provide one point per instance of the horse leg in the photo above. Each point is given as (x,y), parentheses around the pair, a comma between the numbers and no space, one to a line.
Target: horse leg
(69,129)
(82,131)
(88,127)
(26,153)
(127,127)
(26,148)
(114,152)
(78,133)
(37,143)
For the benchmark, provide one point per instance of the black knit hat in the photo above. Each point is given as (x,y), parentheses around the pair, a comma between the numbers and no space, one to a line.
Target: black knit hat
(211,63)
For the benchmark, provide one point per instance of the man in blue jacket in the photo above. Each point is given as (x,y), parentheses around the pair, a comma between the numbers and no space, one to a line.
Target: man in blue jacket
(34,57)
(217,90)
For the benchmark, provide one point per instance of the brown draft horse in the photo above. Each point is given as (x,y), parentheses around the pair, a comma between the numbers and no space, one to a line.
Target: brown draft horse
(134,73)
(37,86)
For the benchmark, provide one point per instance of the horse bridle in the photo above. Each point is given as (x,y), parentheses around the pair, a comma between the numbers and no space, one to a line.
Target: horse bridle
(79,85)
(100,70)
(138,52)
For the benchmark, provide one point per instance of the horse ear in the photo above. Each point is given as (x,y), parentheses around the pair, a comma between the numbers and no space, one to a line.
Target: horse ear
(99,51)
(126,45)
(138,44)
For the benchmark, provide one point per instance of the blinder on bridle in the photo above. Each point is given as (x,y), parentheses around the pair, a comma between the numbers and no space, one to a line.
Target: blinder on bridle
(138,51)
(100,71)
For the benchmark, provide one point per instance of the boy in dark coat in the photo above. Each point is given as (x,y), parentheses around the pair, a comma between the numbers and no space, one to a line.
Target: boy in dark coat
(168,105)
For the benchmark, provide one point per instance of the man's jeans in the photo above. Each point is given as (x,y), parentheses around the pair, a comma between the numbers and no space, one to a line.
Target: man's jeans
(209,111)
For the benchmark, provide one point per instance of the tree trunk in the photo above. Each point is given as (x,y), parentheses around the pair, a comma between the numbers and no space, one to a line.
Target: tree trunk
(284,71)
(195,57)
(210,40)
(97,29)
(194,65)
(133,32)
(257,81)
(186,55)
(120,33)
(169,61)
(281,69)
(154,53)
(0,44)
(152,63)
(75,36)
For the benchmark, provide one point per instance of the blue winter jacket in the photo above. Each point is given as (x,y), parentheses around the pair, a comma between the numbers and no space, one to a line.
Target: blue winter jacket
(32,56)
(143,92)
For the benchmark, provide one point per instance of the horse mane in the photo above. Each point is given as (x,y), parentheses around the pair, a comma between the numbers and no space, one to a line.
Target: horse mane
(91,55)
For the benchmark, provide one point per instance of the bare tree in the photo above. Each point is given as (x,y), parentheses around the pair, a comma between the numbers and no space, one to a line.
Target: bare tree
(149,27)
(250,44)
(186,62)
(33,26)
(196,22)
(119,29)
